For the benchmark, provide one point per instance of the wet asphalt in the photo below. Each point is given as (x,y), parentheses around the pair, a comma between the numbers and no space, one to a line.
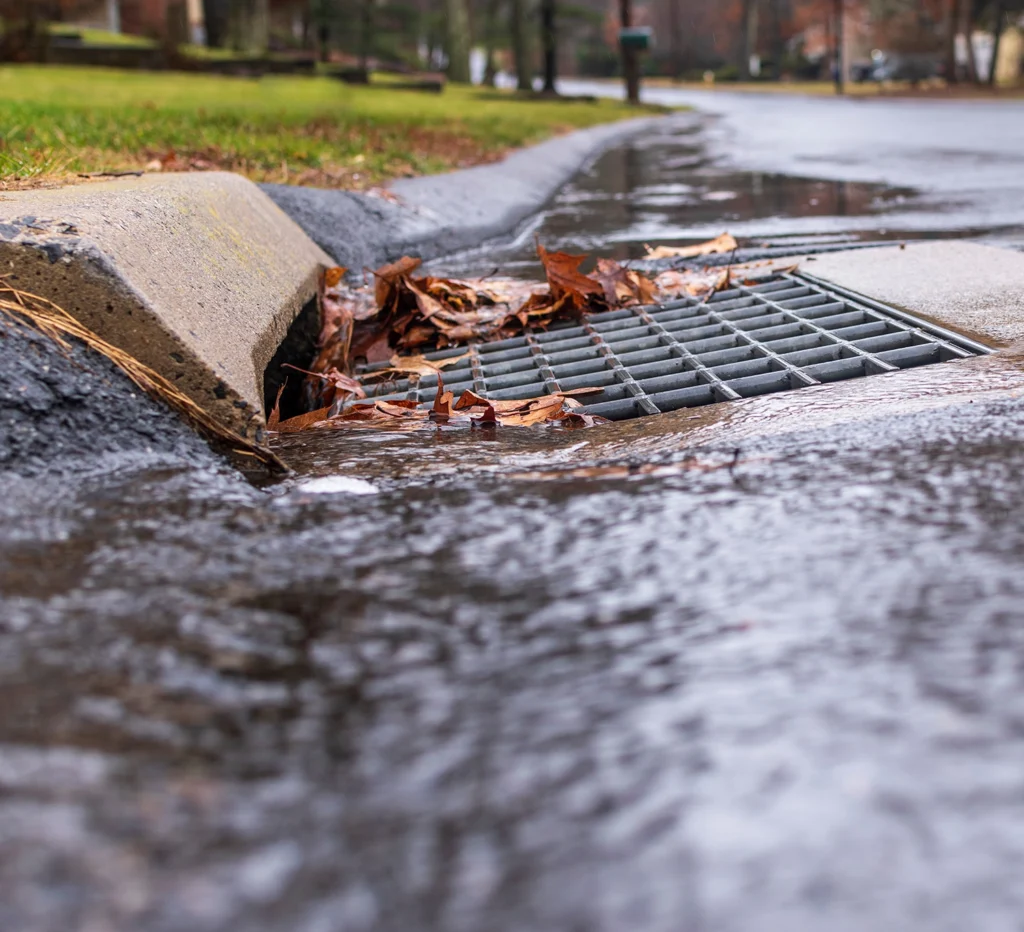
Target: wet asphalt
(964,158)
(525,682)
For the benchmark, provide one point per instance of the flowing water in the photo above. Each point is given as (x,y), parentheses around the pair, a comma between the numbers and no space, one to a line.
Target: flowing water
(749,667)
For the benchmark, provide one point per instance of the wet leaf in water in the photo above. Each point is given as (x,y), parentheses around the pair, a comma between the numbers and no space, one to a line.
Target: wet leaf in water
(559,409)
(721,244)
(300,422)
(412,365)
(442,409)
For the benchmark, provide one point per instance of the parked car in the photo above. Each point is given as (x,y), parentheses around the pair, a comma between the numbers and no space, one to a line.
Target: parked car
(905,66)
(862,71)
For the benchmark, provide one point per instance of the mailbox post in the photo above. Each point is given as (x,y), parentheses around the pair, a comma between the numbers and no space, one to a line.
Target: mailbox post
(632,41)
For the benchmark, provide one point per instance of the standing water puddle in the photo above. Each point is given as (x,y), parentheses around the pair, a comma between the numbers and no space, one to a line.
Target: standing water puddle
(662,188)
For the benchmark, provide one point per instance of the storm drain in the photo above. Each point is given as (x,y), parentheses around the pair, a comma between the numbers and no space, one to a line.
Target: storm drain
(783,333)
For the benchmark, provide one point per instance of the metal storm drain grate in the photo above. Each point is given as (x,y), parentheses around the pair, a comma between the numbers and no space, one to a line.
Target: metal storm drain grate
(784,333)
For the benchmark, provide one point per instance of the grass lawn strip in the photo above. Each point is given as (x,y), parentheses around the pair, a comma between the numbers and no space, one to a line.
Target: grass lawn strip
(60,121)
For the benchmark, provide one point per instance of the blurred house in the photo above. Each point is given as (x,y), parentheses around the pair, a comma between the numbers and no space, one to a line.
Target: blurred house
(155,19)
(1010,60)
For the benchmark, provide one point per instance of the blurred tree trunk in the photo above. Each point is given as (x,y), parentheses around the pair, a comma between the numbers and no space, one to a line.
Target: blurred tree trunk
(967,30)
(491,15)
(250,25)
(549,43)
(778,42)
(215,16)
(457,23)
(520,46)
(951,25)
(997,31)
(366,36)
(840,40)
(748,38)
(24,36)
(630,56)
(676,37)
(176,24)
(308,42)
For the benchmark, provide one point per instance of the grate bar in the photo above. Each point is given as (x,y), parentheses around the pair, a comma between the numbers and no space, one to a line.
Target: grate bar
(830,336)
(704,373)
(622,374)
(543,364)
(798,374)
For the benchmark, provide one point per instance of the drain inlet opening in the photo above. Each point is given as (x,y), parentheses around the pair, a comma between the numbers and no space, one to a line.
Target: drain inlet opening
(298,348)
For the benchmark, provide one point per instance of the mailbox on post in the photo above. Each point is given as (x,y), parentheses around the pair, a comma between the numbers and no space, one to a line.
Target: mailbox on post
(635,37)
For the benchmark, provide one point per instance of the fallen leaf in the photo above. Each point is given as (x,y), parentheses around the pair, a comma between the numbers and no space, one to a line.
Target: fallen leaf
(721,244)
(333,276)
(623,287)
(413,365)
(338,387)
(566,280)
(470,399)
(442,409)
(301,422)
(697,283)
(388,277)
(275,414)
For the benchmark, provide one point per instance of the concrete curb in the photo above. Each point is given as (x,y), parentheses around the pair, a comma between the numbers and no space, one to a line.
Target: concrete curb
(439,214)
(198,276)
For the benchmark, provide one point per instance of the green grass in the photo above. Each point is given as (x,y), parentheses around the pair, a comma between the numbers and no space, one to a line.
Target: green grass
(100,36)
(297,129)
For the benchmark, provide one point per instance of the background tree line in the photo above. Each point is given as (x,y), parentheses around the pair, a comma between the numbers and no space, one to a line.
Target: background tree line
(741,39)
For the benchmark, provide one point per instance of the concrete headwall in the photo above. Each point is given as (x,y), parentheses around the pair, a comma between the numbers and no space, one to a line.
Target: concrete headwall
(198,276)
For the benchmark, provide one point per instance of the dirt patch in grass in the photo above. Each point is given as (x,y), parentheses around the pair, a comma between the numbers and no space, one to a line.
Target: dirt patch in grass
(423,150)
(378,157)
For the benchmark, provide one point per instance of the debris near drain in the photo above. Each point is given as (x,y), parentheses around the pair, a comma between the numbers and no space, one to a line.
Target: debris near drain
(411,365)
(405,315)
(336,387)
(409,314)
(471,410)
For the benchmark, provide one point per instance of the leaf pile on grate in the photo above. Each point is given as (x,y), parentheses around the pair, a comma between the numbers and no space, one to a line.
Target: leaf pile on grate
(405,315)
(472,410)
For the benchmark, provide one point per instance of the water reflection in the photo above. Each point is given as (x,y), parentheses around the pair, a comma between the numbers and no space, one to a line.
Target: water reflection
(663,188)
